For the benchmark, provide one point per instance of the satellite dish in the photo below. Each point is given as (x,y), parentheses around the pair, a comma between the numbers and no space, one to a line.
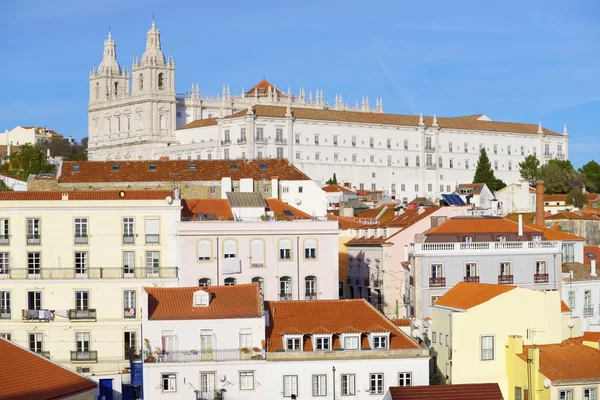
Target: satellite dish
(417,323)
(298,201)
(121,194)
(547,383)
(571,323)
(169,199)
(223,378)
(416,333)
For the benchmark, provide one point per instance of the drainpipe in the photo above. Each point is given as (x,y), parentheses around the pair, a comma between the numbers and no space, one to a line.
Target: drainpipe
(298,265)
(333,369)
(217,261)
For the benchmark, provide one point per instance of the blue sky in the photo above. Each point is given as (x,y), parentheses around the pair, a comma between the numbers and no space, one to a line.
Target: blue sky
(525,61)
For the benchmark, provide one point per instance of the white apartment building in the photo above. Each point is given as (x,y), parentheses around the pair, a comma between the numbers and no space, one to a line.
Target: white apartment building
(72,268)
(216,341)
(407,156)
(21,135)
(581,291)
(246,239)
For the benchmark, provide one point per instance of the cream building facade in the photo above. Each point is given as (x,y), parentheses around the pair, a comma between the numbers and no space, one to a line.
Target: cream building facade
(72,268)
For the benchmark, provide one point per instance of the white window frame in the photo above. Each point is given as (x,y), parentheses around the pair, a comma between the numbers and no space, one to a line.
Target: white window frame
(348,342)
(322,343)
(469,266)
(348,383)
(230,249)
(404,378)
(81,230)
(245,338)
(152,262)
(246,380)
(204,247)
(295,341)
(257,253)
(590,393)
(537,267)
(4,263)
(128,262)
(285,251)
(129,303)
(485,356)
(381,342)
(500,268)
(376,383)
(319,385)
(310,252)
(290,385)
(565,394)
(81,262)
(170,379)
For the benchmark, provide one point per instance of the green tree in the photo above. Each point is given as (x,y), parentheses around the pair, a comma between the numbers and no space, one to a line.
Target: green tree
(485,174)
(69,151)
(332,180)
(560,177)
(30,160)
(591,175)
(577,198)
(530,169)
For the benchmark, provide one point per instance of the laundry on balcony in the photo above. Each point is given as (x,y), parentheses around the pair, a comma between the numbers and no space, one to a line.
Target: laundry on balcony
(38,315)
(232,266)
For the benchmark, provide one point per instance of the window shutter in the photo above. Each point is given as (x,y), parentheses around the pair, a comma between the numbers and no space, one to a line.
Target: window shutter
(257,252)
(285,244)
(204,249)
(230,247)
(152,226)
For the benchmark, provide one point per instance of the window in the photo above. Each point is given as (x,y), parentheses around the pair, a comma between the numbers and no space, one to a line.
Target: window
(34,300)
(36,342)
(588,393)
(348,385)
(230,281)
(285,288)
(418,161)
(353,157)
(559,150)
(229,248)
(81,262)
(487,348)
(5,335)
(335,140)
(81,230)
(373,186)
(310,249)
(4,263)
(351,342)
(257,253)
(393,188)
(380,342)
(430,187)
(504,268)
(376,383)
(33,263)
(353,141)
(518,393)
(152,262)
(319,385)
(129,303)
(495,149)
(204,250)
(152,230)
(440,162)
(300,189)
(33,231)
(466,147)
(565,394)
(246,380)
(81,300)
(204,282)
(128,231)
(169,383)
(416,187)
(534,150)
(4,305)
(496,165)
(82,340)
(389,143)
(128,262)
(280,152)
(372,158)
(310,285)
(290,385)
(293,344)
(405,144)
(207,385)
(4,233)
(405,379)
(336,157)
(323,344)
(285,249)
(451,163)
(298,155)
(130,340)
(371,142)
(206,340)
(402,187)
(406,162)
(447,341)
(245,338)
(316,139)
(436,270)
(540,267)
(470,270)
(510,165)
(433,337)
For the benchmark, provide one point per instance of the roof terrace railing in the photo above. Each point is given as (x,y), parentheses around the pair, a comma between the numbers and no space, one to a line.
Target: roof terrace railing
(485,247)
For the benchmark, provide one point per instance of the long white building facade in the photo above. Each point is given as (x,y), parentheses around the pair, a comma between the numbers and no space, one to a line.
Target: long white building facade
(138,115)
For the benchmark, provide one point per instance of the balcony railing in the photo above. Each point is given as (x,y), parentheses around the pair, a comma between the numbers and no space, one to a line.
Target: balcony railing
(34,239)
(505,279)
(225,142)
(128,239)
(261,139)
(430,166)
(42,353)
(192,356)
(81,239)
(588,311)
(242,140)
(437,282)
(4,313)
(471,279)
(4,240)
(430,148)
(87,356)
(310,296)
(287,296)
(92,273)
(280,140)
(540,278)
(36,315)
(75,315)
(486,247)
(128,312)
(152,239)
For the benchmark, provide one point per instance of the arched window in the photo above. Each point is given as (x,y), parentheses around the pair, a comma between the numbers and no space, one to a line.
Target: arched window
(97,90)
(261,282)
(230,281)
(160,81)
(141,82)
(118,124)
(285,288)
(257,253)
(203,282)
(310,285)
(161,121)
(310,249)
(116,89)
(285,249)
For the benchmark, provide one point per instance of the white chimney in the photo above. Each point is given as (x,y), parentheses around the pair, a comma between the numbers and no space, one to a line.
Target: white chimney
(225,187)
(275,187)
(65,196)
(405,252)
(593,272)
(520,225)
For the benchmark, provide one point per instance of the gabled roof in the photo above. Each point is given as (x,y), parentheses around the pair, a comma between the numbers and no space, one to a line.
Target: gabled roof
(246,200)
(409,217)
(192,208)
(567,361)
(581,272)
(527,217)
(333,188)
(570,215)
(553,234)
(27,375)
(227,302)
(476,188)
(421,201)
(564,308)
(336,316)
(401,322)
(87,195)
(471,391)
(199,123)
(591,336)
(591,253)
(345,223)
(466,295)
(284,211)
(374,212)
(264,84)
(460,225)
(179,170)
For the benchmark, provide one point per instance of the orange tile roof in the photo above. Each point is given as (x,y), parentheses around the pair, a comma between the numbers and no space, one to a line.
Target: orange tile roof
(199,123)
(570,215)
(352,222)
(581,272)
(591,336)
(335,316)
(594,250)
(569,360)
(374,212)
(564,308)
(528,217)
(476,187)
(465,295)
(410,217)
(553,234)
(179,170)
(336,188)
(401,322)
(26,375)
(478,225)
(471,391)
(219,207)
(278,207)
(265,84)
(237,301)
(87,195)
(555,197)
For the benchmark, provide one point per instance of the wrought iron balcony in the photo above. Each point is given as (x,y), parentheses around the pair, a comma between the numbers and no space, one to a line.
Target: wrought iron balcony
(225,142)
(242,140)
(128,238)
(92,273)
(310,296)
(588,311)
(152,239)
(34,239)
(437,282)
(430,166)
(81,239)
(75,315)
(4,240)
(430,148)
(4,313)
(505,279)
(286,296)
(261,139)
(36,315)
(280,140)
(471,279)
(87,356)
(540,278)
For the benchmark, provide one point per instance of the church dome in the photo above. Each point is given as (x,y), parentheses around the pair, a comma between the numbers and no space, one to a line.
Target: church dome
(153,53)
(109,62)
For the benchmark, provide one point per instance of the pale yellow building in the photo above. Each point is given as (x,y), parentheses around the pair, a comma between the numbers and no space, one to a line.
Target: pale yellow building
(72,269)
(472,322)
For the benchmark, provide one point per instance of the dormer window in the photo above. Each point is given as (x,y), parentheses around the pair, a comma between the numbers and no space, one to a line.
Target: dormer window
(293,342)
(351,342)
(322,342)
(380,342)
(201,298)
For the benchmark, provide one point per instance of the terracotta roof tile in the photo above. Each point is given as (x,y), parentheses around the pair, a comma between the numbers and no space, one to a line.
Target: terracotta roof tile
(475,187)
(528,217)
(237,301)
(553,234)
(479,225)
(374,212)
(178,170)
(336,316)
(351,222)
(336,188)
(87,195)
(26,376)
(569,360)
(401,322)
(466,295)
(564,308)
(199,123)
(278,207)
(594,252)
(570,215)
(591,336)
(581,272)
(410,217)
(219,207)
(264,84)
(471,391)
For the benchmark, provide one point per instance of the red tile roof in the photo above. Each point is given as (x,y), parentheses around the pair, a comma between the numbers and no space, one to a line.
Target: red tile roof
(334,316)
(471,391)
(475,187)
(374,212)
(553,234)
(87,195)
(401,322)
(219,207)
(569,360)
(199,123)
(570,215)
(336,188)
(466,295)
(278,207)
(564,308)
(26,375)
(593,250)
(237,301)
(410,217)
(351,222)
(591,336)
(179,170)
(264,84)
(478,225)
(527,217)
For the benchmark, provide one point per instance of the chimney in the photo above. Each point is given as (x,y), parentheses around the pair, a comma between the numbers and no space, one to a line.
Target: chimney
(593,271)
(406,252)
(275,187)
(520,225)
(226,187)
(539,203)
